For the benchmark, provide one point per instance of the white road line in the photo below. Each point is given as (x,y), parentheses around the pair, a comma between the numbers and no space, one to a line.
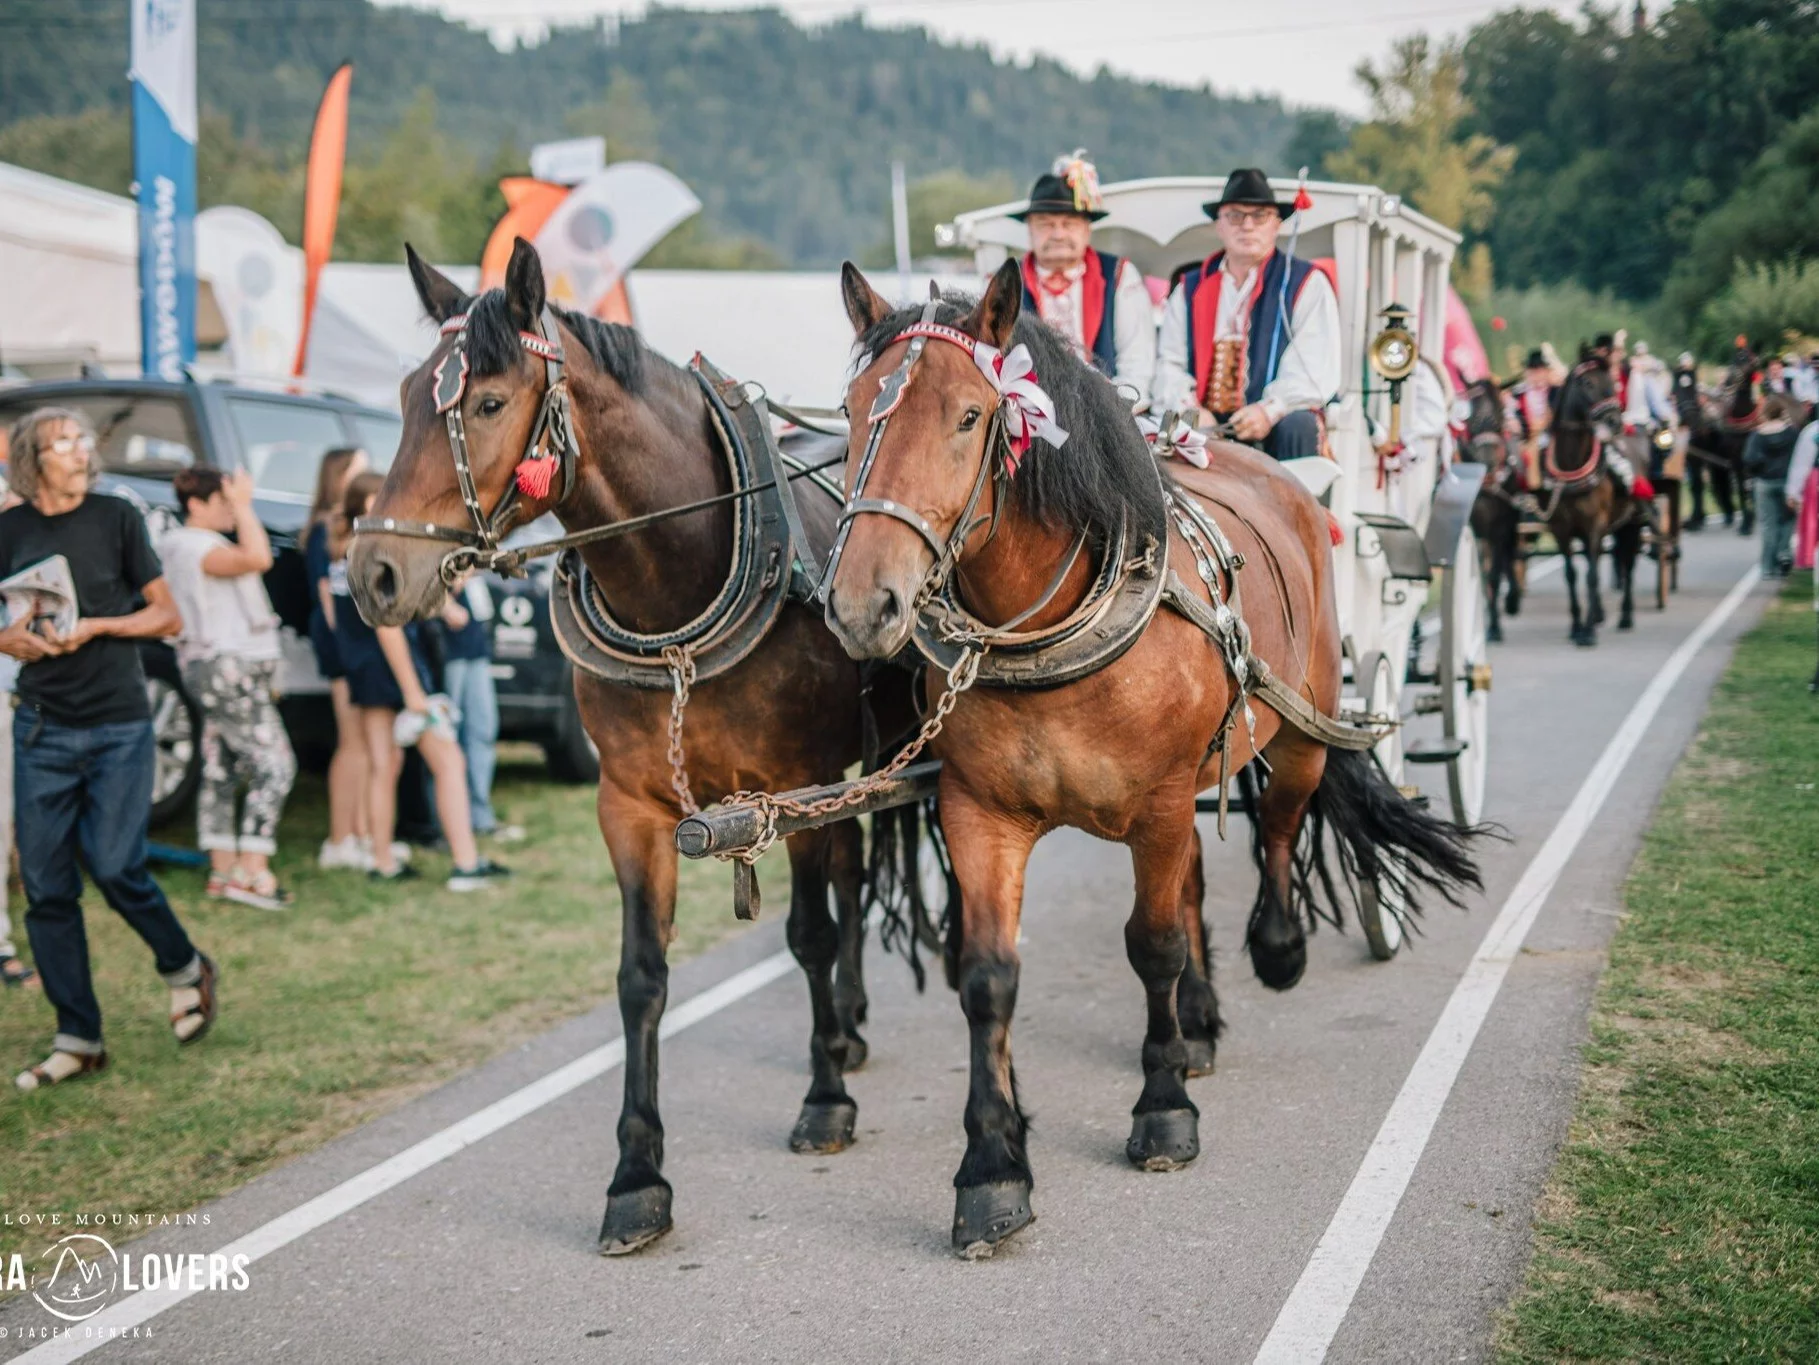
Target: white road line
(369,1184)
(1317,1305)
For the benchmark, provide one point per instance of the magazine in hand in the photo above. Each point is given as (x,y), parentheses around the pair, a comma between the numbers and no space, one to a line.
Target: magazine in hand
(43,594)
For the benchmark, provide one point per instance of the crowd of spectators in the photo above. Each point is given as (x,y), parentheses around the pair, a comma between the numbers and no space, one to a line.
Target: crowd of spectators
(78,758)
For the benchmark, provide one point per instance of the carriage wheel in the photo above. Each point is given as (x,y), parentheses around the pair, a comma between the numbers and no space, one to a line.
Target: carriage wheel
(1379,904)
(1465,681)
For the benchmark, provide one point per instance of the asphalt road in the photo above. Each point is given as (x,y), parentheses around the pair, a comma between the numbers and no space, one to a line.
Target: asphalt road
(488,1255)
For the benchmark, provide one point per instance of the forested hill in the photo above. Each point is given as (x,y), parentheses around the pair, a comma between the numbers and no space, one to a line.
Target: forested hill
(786,133)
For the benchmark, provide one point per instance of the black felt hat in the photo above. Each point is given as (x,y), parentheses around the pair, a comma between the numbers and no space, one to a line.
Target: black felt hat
(1247,185)
(1537,360)
(1052,194)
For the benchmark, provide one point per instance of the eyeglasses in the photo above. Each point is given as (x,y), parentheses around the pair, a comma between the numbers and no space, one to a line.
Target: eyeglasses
(69,445)
(1246,217)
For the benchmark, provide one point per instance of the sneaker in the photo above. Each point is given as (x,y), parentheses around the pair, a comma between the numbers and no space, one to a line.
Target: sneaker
(401,853)
(262,893)
(481,875)
(506,834)
(346,854)
(404,873)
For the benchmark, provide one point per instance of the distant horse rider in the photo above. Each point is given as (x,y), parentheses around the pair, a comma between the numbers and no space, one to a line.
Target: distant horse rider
(1692,414)
(1250,336)
(1535,397)
(1096,300)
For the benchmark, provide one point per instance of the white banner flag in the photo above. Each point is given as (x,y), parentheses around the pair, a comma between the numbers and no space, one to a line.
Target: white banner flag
(605,225)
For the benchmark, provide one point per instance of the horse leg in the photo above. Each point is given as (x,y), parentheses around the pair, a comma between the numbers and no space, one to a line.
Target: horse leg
(828,1112)
(1568,572)
(1196,1005)
(992,1186)
(644,861)
(1277,937)
(1165,1125)
(1629,548)
(1594,616)
(846,872)
(1490,569)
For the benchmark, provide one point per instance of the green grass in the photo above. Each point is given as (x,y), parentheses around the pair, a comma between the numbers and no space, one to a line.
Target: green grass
(1682,1222)
(339,1009)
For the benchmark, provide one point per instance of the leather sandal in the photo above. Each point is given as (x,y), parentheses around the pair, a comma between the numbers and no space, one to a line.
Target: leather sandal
(91,1063)
(203,1009)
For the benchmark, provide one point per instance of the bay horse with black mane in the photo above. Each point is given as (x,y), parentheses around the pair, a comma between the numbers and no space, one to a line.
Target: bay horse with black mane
(1729,416)
(516,388)
(1032,568)
(1587,501)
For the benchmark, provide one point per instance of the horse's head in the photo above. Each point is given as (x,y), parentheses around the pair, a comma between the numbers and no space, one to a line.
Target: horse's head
(1589,397)
(920,468)
(482,390)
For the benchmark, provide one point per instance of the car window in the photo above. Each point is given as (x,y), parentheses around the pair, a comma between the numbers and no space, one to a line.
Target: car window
(380,435)
(282,443)
(145,434)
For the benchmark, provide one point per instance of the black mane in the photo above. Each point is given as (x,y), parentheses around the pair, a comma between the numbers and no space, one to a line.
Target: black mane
(492,341)
(1104,471)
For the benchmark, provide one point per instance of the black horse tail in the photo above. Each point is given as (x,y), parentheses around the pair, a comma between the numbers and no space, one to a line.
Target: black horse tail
(909,881)
(1359,828)
(1382,836)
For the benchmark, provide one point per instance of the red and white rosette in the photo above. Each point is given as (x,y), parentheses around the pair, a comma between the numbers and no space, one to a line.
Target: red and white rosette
(1028,410)
(1179,439)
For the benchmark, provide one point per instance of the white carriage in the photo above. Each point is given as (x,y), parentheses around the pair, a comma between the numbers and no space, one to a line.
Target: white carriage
(1412,651)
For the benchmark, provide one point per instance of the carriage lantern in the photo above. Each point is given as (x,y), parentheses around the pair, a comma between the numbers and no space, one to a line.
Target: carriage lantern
(1392,355)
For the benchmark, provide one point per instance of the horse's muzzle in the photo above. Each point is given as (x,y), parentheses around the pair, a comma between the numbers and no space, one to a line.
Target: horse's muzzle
(871,622)
(385,587)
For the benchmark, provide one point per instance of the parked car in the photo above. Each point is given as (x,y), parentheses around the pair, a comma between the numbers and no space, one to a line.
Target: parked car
(148,429)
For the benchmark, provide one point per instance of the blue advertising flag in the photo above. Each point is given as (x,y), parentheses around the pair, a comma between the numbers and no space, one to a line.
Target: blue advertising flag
(164,167)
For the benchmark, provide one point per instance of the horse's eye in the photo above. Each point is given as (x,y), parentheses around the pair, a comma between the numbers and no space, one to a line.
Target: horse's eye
(971,420)
(491,407)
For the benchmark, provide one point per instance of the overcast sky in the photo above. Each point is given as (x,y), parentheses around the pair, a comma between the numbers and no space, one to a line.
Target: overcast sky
(1301,50)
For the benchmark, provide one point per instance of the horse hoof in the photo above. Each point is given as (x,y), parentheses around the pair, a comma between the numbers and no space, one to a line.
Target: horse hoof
(1626,623)
(1493,635)
(1512,606)
(1279,966)
(824,1128)
(1165,1140)
(635,1220)
(985,1215)
(853,1057)
(1199,1056)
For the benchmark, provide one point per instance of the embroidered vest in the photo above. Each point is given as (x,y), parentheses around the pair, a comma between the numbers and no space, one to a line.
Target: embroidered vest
(1098,299)
(1230,374)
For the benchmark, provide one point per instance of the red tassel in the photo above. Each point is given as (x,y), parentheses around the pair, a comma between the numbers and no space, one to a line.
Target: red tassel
(1335,532)
(535,476)
(1644,489)
(1303,200)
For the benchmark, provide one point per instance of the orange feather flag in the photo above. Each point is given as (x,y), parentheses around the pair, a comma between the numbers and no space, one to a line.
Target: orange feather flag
(528,204)
(322,195)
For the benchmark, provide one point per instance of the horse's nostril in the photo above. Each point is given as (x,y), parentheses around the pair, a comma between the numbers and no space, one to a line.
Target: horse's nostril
(890,608)
(385,581)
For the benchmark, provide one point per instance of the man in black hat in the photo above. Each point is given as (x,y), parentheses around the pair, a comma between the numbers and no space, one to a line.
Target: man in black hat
(1251,335)
(1094,299)
(1535,398)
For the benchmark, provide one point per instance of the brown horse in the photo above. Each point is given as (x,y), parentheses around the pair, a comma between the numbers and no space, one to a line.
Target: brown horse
(788,715)
(1497,511)
(1587,502)
(1121,751)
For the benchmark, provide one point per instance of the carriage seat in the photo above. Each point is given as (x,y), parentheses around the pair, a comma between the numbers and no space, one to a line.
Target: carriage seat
(1316,473)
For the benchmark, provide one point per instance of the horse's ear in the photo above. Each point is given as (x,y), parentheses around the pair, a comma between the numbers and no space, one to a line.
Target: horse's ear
(440,296)
(995,314)
(524,285)
(865,306)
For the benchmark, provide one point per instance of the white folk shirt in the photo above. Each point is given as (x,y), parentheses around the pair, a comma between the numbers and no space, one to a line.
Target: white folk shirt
(1308,373)
(1648,401)
(1133,322)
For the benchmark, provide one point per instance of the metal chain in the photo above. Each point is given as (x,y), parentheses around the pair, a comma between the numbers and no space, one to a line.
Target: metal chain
(680,661)
(963,674)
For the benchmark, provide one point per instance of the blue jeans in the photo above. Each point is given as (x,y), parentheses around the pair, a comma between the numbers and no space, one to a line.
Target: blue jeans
(86,793)
(470,686)
(1774,523)
(1295,437)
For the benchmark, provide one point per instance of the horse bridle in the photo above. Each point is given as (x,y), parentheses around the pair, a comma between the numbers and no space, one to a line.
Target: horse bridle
(994,466)
(552,438)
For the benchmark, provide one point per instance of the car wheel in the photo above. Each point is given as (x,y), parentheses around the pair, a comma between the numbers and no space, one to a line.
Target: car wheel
(177,735)
(571,755)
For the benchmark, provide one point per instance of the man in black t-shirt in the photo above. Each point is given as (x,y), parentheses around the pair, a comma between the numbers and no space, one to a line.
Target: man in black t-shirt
(83,747)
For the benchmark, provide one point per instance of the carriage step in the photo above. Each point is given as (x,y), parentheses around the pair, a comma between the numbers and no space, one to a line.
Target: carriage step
(1434,750)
